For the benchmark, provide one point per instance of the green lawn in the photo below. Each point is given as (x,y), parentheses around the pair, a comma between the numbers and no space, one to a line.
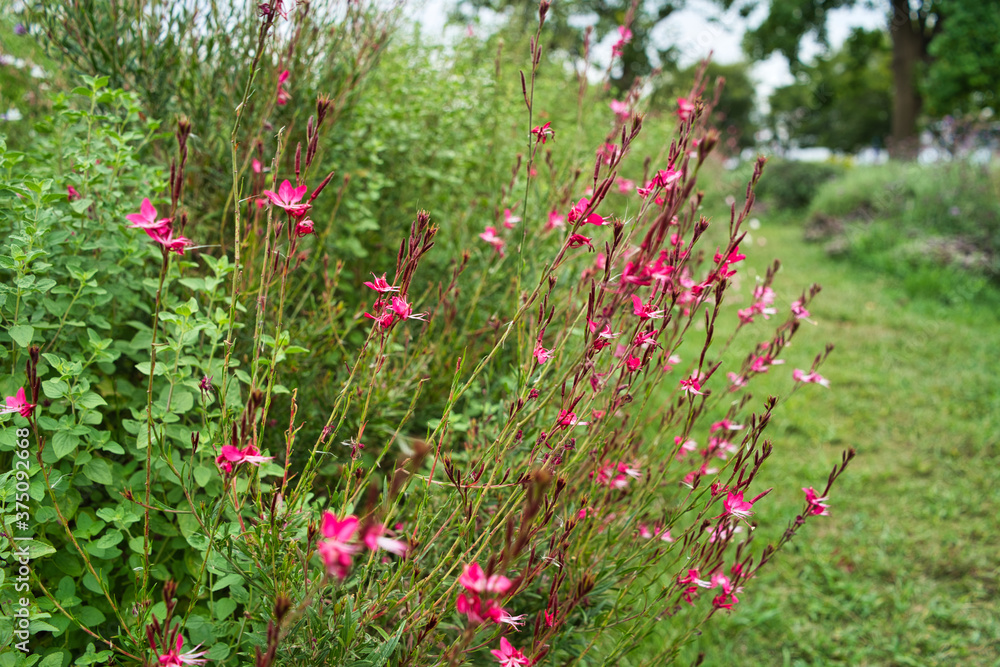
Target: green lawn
(906,570)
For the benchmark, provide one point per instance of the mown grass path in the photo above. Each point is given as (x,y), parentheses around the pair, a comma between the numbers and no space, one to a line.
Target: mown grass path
(906,570)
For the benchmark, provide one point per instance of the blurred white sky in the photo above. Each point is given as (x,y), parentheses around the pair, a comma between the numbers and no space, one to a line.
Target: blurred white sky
(697,29)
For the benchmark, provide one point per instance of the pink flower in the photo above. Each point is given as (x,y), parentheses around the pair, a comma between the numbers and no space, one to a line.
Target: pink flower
(625,186)
(567,418)
(232,455)
(165,237)
(672,361)
(620,109)
(72,194)
(304,227)
(811,377)
(644,311)
(725,424)
(692,385)
(490,236)
(685,109)
(385,318)
(509,219)
(736,381)
(578,240)
(290,198)
(174,657)
(508,656)
(817,504)
(380,285)
(146,218)
(541,354)
(475,581)
(556,221)
(405,311)
(633,364)
(283,95)
(624,37)
(576,213)
(666,177)
(18,403)
(374,538)
(734,505)
(543,132)
(799,310)
(335,550)
(256,165)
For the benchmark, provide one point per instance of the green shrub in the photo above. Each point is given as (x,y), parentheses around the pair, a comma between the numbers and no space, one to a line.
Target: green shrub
(792,185)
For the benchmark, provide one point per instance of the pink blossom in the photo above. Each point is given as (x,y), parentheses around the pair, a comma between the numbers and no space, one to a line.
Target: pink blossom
(624,37)
(304,227)
(692,385)
(509,219)
(490,236)
(608,152)
(576,213)
(672,361)
(18,403)
(232,455)
(174,657)
(666,177)
(405,311)
(374,538)
(736,381)
(685,109)
(644,311)
(725,424)
(541,354)
(384,317)
(256,165)
(567,418)
(508,656)
(556,221)
(811,377)
(72,194)
(289,198)
(684,447)
(380,285)
(799,310)
(625,186)
(817,504)
(475,581)
(543,132)
(283,95)
(633,364)
(578,240)
(734,505)
(146,218)
(335,550)
(620,109)
(165,237)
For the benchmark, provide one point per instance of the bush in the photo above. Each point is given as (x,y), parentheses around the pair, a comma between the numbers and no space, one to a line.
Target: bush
(924,214)
(792,185)
(250,452)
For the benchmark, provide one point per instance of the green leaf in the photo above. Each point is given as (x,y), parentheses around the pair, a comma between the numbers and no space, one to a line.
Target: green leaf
(91,400)
(36,549)
(224,608)
(22,334)
(63,443)
(99,471)
(202,475)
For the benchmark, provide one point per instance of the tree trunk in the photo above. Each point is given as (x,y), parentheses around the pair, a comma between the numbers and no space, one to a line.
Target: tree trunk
(907,50)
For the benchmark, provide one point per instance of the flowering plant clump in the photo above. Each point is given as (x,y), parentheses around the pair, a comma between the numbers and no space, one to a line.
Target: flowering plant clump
(488,453)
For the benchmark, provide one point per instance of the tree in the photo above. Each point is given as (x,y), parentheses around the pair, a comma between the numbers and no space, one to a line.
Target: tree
(964,77)
(913,24)
(840,101)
